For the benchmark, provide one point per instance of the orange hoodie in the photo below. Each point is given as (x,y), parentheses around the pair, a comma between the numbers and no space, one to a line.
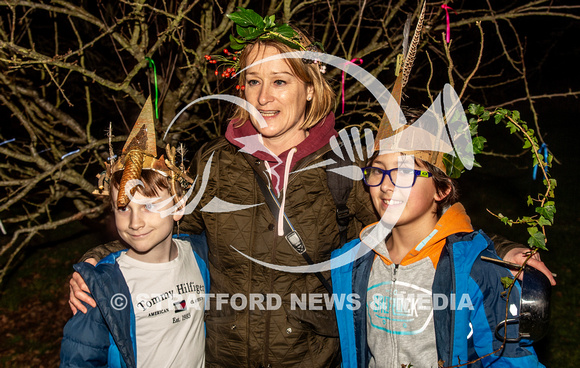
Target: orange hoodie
(454,220)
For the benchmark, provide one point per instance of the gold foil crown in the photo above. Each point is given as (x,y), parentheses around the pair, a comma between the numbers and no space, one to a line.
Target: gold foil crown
(140,153)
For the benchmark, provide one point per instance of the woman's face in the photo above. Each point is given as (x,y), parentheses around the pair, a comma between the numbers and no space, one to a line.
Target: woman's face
(279,96)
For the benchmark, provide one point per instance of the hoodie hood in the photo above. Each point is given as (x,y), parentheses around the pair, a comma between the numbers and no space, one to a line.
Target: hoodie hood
(247,137)
(454,220)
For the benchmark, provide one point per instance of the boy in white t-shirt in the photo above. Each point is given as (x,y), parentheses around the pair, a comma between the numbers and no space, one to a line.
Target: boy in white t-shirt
(151,297)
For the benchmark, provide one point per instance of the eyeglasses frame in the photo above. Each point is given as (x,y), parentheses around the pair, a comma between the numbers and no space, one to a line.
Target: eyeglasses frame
(417,173)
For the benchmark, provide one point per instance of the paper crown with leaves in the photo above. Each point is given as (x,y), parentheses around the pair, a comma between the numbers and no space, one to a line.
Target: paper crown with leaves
(140,153)
(250,27)
(389,140)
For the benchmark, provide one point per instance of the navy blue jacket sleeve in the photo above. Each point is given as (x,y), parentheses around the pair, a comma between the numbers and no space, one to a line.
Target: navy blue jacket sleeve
(86,340)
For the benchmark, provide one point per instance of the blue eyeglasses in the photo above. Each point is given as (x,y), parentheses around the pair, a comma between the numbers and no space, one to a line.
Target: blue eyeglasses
(373,176)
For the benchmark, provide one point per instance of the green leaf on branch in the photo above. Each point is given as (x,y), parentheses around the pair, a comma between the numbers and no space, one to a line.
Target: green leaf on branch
(286,31)
(478,144)
(485,116)
(246,18)
(475,109)
(236,44)
(526,219)
(548,210)
(544,222)
(530,201)
(270,21)
(507,281)
(537,238)
(511,126)
(504,219)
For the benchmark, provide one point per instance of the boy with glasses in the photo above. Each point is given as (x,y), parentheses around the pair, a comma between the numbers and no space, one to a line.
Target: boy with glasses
(424,294)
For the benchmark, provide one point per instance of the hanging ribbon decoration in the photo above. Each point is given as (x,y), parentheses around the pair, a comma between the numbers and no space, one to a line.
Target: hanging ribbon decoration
(353,61)
(543,150)
(448,33)
(152,64)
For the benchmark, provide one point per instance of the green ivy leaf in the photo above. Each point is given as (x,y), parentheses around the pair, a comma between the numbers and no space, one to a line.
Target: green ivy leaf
(507,281)
(527,144)
(553,185)
(542,221)
(516,115)
(511,126)
(537,240)
(454,167)
(504,219)
(548,210)
(530,201)
(474,109)
(485,116)
(254,33)
(473,125)
(526,219)
(531,133)
(478,144)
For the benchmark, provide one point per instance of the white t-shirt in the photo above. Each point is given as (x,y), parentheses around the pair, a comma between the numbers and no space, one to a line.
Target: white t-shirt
(168,300)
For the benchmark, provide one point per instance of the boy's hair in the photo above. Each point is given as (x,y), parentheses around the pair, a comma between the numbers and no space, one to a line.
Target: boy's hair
(153,183)
(442,183)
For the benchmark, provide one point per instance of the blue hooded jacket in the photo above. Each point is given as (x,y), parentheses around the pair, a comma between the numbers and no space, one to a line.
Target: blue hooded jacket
(105,335)
(460,271)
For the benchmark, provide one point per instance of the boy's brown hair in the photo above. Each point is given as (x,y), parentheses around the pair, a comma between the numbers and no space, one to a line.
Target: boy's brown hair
(153,183)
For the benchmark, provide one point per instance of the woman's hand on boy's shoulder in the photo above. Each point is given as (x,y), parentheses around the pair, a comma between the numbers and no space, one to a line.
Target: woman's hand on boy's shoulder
(79,290)
(519,255)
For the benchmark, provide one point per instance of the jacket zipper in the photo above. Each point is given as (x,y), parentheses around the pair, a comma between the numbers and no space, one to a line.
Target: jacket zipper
(393,302)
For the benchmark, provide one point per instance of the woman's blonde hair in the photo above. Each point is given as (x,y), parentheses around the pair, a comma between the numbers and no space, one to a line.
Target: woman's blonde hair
(309,73)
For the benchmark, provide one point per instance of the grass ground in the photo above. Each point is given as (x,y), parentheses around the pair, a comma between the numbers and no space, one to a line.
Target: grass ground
(33,303)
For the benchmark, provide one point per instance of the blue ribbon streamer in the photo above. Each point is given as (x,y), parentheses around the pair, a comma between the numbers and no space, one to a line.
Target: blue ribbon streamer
(543,150)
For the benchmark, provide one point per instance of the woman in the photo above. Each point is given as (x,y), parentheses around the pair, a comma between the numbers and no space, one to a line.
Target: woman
(296,102)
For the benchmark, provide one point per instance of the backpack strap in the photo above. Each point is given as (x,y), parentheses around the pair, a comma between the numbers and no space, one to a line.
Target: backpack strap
(340,187)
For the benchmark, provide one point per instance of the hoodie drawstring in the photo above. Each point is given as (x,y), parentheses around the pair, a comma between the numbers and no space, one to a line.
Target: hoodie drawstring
(284,185)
